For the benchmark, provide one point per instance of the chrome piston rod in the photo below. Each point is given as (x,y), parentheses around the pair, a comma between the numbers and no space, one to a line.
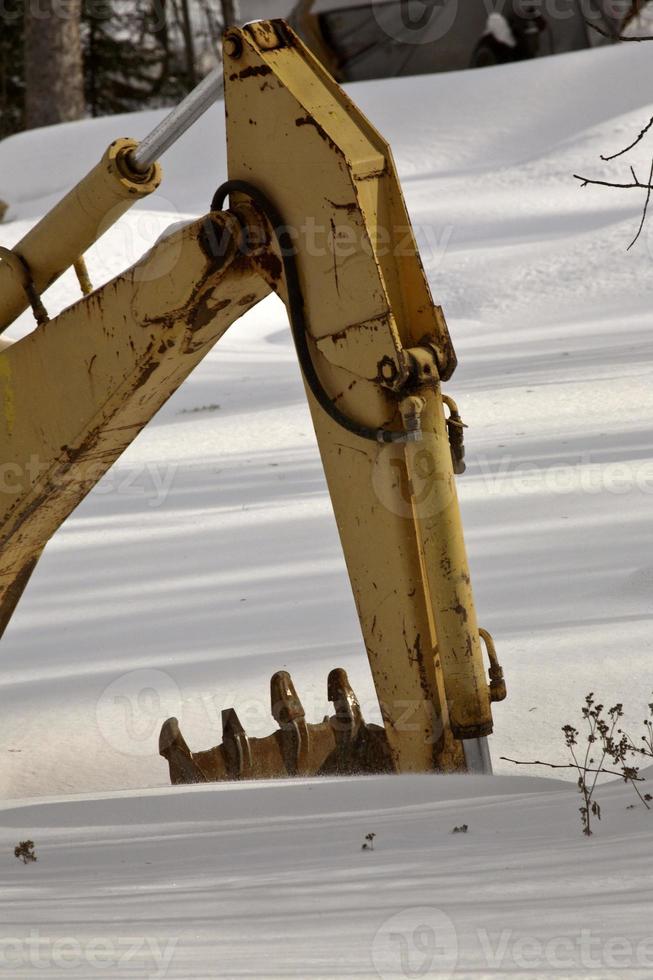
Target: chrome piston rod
(175,124)
(477,755)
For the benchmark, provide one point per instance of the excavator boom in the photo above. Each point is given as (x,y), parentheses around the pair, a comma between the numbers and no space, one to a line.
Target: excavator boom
(315,215)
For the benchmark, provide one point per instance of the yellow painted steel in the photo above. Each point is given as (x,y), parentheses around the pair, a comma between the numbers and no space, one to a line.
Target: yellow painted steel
(445,570)
(78,389)
(308,23)
(332,178)
(59,240)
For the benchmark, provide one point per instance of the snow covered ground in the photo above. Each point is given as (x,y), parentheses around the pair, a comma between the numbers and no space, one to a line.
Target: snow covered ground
(208,558)
(269,880)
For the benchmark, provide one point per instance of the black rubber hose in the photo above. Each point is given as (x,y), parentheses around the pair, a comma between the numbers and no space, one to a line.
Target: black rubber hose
(296,311)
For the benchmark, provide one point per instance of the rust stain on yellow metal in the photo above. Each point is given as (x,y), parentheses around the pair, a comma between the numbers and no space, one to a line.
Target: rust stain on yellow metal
(379,345)
(333,179)
(86,383)
(70,228)
(6,381)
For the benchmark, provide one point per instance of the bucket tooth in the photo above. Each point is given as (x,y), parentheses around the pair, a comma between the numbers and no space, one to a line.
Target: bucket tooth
(286,706)
(235,745)
(360,748)
(348,716)
(173,748)
(294,734)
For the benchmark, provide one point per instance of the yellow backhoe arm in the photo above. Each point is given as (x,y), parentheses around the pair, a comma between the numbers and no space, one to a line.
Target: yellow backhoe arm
(315,214)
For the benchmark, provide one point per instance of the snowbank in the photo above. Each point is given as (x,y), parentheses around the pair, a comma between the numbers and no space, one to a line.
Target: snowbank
(208,558)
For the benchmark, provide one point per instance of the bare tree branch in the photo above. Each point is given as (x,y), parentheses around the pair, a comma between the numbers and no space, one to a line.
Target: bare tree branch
(609,183)
(641,136)
(569,765)
(645,210)
(617,37)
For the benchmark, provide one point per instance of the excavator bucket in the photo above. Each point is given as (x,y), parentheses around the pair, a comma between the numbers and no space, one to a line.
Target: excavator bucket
(340,745)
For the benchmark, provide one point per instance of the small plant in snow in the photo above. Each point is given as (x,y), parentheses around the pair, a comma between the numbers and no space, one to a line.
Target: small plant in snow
(598,730)
(368,843)
(25,851)
(603,741)
(619,752)
(647,738)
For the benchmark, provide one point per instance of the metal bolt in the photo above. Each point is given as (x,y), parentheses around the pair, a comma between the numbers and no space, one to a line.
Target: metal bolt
(233,46)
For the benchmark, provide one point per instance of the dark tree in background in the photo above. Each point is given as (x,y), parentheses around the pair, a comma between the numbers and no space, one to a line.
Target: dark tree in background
(12,84)
(229,12)
(634,11)
(54,75)
(147,53)
(63,59)
(126,55)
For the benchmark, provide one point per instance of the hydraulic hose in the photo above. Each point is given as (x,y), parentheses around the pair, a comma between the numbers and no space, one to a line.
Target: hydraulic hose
(297,312)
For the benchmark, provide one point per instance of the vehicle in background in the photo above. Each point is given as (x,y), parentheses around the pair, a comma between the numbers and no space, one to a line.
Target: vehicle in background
(385,38)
